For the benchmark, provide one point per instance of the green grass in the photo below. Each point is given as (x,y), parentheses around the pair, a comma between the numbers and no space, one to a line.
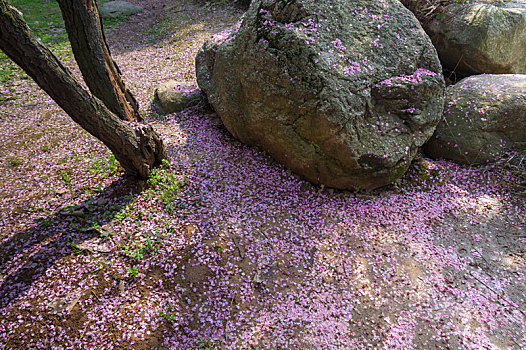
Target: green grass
(133,272)
(207,344)
(138,251)
(165,185)
(110,22)
(45,21)
(160,30)
(65,176)
(168,313)
(8,70)
(103,165)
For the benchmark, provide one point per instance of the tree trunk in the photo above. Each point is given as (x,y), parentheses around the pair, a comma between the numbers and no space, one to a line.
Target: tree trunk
(100,72)
(137,147)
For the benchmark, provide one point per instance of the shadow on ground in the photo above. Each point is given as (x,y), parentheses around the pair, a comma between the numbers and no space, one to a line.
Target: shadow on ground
(27,255)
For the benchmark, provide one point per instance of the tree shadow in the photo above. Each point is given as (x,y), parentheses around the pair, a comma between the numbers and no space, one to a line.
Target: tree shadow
(28,254)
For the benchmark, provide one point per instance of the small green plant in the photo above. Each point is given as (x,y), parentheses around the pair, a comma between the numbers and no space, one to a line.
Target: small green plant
(133,252)
(207,344)
(14,162)
(120,215)
(65,176)
(104,165)
(159,31)
(7,98)
(44,222)
(101,265)
(138,251)
(73,156)
(77,249)
(168,313)
(113,21)
(133,272)
(107,233)
(165,185)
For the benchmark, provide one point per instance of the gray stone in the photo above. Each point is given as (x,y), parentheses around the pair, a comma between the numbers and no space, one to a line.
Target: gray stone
(173,97)
(341,92)
(113,9)
(485,117)
(481,38)
(57,30)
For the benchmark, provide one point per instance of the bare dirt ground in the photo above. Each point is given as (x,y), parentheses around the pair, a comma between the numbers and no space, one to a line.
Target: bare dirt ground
(224,248)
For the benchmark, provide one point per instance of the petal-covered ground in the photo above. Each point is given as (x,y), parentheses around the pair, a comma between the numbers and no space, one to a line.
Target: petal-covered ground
(225,249)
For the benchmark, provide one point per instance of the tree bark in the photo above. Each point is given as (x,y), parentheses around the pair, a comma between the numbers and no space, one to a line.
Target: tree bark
(137,147)
(100,72)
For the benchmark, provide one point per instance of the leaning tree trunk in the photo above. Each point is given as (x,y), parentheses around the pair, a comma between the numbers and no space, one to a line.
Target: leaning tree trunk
(100,72)
(137,147)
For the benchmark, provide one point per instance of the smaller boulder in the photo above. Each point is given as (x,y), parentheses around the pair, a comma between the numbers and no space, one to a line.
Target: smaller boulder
(174,96)
(478,37)
(484,117)
(114,9)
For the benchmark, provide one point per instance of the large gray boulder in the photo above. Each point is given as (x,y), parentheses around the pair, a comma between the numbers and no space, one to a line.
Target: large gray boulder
(114,9)
(341,92)
(478,38)
(485,117)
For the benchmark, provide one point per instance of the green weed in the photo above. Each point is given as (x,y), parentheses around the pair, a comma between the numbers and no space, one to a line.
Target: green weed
(133,272)
(168,313)
(8,70)
(207,344)
(165,185)
(113,21)
(103,165)
(65,176)
(159,31)
(121,215)
(101,265)
(68,158)
(14,162)
(76,248)
(44,222)
(138,251)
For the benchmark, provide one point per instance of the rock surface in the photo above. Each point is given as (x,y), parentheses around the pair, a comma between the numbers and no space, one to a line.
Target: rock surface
(341,92)
(485,117)
(174,96)
(481,38)
(113,9)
